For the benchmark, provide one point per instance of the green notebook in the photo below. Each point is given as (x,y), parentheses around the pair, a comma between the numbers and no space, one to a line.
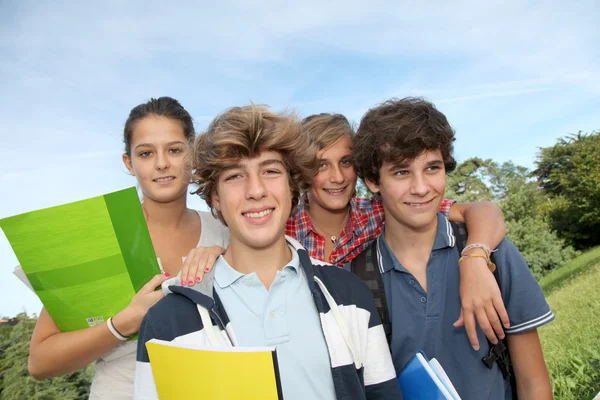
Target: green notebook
(87,259)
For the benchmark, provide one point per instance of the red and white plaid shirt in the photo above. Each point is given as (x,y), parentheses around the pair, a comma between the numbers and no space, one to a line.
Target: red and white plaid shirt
(363,226)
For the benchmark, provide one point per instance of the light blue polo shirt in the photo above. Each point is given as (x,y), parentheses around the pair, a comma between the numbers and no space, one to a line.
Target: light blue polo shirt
(284,317)
(423,320)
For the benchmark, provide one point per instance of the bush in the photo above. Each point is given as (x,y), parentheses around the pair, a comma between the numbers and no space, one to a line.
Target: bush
(16,383)
(541,248)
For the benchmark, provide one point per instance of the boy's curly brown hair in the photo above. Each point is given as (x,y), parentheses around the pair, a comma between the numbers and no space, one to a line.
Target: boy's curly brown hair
(399,130)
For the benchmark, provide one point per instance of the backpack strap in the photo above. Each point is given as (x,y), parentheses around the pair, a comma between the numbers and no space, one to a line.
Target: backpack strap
(366,267)
(498,352)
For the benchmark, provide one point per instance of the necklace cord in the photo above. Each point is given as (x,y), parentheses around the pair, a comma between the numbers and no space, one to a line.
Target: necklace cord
(333,238)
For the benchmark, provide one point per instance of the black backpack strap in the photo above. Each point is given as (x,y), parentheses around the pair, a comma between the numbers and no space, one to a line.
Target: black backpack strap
(366,267)
(498,352)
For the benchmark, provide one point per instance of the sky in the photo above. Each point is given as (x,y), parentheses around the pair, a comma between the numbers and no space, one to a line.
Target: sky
(511,76)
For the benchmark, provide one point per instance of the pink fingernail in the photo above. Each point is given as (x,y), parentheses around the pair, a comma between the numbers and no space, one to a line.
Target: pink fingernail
(198,279)
(167,274)
(182,283)
(206,269)
(190,282)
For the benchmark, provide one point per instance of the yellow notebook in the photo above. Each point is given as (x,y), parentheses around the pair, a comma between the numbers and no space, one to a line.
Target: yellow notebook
(184,371)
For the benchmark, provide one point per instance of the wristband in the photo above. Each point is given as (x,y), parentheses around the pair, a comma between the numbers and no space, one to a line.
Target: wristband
(115,332)
(489,262)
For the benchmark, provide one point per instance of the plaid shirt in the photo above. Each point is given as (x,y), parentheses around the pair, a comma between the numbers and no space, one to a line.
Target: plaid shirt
(363,226)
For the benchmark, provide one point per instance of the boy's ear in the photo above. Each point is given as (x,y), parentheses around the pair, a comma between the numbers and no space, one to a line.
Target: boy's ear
(373,187)
(128,165)
(215,201)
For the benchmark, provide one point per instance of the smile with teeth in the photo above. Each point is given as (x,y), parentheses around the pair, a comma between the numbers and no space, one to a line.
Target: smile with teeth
(258,214)
(334,191)
(417,205)
(164,179)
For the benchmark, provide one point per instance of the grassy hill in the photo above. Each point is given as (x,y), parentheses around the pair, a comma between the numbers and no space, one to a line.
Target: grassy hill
(572,342)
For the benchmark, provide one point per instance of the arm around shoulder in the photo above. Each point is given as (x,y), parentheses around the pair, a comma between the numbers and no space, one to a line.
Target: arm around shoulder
(485,222)
(479,292)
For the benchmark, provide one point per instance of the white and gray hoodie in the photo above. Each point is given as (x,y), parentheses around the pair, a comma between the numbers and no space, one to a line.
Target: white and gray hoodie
(361,364)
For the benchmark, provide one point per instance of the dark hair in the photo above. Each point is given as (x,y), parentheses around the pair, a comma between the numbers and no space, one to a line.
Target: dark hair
(401,130)
(162,107)
(325,129)
(245,132)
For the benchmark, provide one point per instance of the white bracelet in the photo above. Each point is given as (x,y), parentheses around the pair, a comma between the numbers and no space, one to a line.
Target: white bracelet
(114,331)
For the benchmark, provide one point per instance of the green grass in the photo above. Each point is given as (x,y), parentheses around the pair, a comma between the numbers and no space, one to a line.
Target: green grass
(570,271)
(571,343)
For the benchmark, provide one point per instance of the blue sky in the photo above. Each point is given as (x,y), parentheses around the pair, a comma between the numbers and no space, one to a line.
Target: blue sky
(511,76)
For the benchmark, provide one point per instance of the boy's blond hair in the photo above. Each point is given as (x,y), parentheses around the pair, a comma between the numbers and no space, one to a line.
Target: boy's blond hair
(245,132)
(324,129)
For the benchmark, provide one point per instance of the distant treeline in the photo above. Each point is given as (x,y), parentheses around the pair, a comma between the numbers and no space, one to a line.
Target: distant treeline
(552,212)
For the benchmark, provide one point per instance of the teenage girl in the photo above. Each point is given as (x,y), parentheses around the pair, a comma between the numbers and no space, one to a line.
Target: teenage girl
(158,136)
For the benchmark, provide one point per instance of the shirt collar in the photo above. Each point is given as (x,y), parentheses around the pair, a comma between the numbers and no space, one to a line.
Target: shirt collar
(304,225)
(445,234)
(387,260)
(226,275)
(444,238)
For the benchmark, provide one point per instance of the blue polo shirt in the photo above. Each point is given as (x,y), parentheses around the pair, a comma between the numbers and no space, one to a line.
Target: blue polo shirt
(422,320)
(284,317)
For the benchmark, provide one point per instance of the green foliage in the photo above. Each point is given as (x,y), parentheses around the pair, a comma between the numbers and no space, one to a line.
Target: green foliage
(518,195)
(572,348)
(522,203)
(362,190)
(4,341)
(15,381)
(467,183)
(540,247)
(569,173)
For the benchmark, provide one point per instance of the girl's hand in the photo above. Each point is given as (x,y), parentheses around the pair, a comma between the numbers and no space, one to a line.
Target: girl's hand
(481,302)
(128,321)
(199,261)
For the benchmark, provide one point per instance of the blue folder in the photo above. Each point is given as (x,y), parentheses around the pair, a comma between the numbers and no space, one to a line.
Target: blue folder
(418,381)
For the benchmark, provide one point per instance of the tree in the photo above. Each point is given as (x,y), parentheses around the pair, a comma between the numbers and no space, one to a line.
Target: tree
(522,201)
(569,174)
(362,190)
(15,381)
(469,181)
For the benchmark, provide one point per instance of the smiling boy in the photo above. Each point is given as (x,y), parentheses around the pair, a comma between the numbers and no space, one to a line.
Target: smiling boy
(265,290)
(403,151)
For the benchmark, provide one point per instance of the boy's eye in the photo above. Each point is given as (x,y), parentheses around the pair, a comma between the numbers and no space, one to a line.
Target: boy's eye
(346,163)
(144,153)
(434,168)
(272,172)
(322,164)
(401,172)
(232,177)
